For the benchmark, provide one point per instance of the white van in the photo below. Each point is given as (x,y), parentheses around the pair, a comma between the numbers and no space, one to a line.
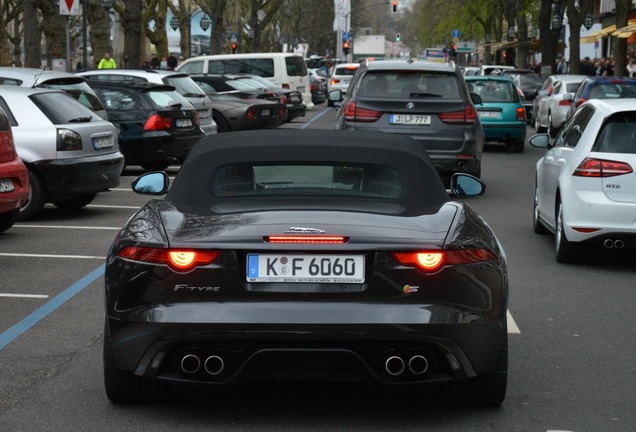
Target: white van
(286,70)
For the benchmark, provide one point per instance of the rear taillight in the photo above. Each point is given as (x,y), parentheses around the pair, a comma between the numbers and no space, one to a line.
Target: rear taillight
(521,114)
(177,259)
(353,113)
(7,149)
(156,122)
(306,239)
(312,87)
(285,85)
(433,260)
(467,116)
(564,102)
(68,140)
(579,102)
(250,114)
(591,167)
(283,99)
(334,81)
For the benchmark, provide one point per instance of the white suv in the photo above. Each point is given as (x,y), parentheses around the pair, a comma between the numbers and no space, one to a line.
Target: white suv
(340,78)
(183,84)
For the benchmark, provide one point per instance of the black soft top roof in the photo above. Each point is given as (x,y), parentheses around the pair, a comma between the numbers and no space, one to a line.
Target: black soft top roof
(301,145)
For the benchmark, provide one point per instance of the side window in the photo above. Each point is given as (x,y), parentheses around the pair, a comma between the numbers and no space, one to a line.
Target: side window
(618,134)
(194,67)
(118,100)
(557,88)
(576,127)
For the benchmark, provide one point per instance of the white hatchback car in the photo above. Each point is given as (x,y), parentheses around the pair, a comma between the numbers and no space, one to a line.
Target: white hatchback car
(585,186)
(552,109)
(340,78)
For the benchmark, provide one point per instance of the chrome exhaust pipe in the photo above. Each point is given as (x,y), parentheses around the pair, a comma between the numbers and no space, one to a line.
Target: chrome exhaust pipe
(619,244)
(214,365)
(394,365)
(418,364)
(461,165)
(608,243)
(190,364)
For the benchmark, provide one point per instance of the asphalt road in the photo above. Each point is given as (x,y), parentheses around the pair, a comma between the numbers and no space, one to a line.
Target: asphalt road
(572,346)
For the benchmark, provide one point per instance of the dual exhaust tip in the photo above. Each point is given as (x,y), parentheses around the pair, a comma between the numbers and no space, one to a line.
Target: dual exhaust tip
(212,365)
(613,243)
(396,365)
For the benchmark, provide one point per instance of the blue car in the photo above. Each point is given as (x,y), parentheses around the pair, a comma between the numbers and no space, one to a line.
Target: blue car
(501,111)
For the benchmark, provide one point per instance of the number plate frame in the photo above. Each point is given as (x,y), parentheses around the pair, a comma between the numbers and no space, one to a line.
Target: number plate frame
(183,123)
(305,268)
(6,185)
(410,119)
(103,142)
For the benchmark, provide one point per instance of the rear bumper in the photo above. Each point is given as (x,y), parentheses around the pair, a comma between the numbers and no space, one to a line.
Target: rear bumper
(157,146)
(505,131)
(19,176)
(293,341)
(296,110)
(75,176)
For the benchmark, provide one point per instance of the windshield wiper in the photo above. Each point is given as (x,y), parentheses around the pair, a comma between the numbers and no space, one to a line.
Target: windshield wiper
(424,95)
(81,120)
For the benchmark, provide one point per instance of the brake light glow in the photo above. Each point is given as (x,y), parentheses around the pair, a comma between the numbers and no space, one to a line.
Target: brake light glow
(564,102)
(579,102)
(430,261)
(156,122)
(591,167)
(250,114)
(353,113)
(313,239)
(177,259)
(467,116)
(521,114)
(334,81)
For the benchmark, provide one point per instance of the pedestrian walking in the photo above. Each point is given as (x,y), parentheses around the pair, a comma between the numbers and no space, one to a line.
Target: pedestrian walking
(107,62)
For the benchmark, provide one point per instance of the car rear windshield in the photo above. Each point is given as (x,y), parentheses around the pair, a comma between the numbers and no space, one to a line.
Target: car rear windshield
(409,84)
(81,91)
(494,91)
(618,134)
(295,66)
(613,90)
(61,108)
(304,180)
(572,87)
(184,85)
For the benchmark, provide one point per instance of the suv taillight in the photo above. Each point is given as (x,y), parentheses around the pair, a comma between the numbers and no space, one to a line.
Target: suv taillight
(7,149)
(353,113)
(467,116)
(156,122)
(68,140)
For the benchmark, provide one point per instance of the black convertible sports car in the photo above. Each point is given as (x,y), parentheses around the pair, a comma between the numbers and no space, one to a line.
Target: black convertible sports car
(306,255)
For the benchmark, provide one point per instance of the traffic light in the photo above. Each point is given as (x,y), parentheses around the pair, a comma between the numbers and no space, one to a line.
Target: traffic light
(453,50)
(398,36)
(345,47)
(233,47)
(393,6)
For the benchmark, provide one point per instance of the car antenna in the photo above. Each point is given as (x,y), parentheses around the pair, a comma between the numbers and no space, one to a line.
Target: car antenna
(35,81)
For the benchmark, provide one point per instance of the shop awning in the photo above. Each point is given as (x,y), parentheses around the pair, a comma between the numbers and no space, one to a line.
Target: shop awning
(592,37)
(627,31)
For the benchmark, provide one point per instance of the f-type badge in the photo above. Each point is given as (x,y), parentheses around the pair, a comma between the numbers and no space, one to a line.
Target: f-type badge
(301,230)
(410,106)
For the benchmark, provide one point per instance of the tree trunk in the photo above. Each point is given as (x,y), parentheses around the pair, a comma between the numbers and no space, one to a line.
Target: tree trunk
(31,37)
(620,53)
(134,37)
(549,37)
(99,34)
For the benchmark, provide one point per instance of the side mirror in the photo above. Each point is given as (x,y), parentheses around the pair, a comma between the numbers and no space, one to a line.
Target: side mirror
(540,141)
(568,97)
(465,185)
(476,99)
(152,183)
(335,95)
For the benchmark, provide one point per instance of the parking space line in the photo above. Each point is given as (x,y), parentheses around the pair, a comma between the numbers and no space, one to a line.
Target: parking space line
(34,296)
(24,255)
(512,325)
(43,311)
(112,206)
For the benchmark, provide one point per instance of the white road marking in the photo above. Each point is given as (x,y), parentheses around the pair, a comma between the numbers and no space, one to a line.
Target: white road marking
(66,227)
(35,296)
(112,206)
(512,325)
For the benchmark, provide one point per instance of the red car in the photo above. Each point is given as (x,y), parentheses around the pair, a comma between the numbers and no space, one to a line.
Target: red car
(14,177)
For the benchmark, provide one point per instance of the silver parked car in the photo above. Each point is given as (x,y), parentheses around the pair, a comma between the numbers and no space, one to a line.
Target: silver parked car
(552,108)
(70,152)
(74,85)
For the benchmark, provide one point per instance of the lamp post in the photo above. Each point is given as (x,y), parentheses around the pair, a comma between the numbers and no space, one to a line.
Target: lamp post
(557,18)
(588,21)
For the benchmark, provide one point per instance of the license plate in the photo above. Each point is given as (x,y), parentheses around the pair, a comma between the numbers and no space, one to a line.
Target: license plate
(265,113)
(104,142)
(304,268)
(301,89)
(6,185)
(489,114)
(183,123)
(410,119)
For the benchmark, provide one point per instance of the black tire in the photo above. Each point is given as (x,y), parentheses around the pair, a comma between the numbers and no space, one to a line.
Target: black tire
(489,388)
(76,202)
(537,225)
(537,125)
(566,252)
(7,219)
(156,165)
(123,387)
(221,124)
(329,103)
(36,200)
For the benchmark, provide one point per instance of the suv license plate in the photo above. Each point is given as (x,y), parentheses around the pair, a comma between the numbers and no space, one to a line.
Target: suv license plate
(6,185)
(101,143)
(410,119)
(305,268)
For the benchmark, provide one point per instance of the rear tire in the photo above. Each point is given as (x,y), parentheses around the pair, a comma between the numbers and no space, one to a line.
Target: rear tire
(76,202)
(123,387)
(537,225)
(37,198)
(156,165)
(567,252)
(221,123)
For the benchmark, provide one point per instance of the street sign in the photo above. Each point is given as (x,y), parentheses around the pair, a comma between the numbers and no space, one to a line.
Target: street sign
(465,47)
(69,7)
(346,36)
(456,33)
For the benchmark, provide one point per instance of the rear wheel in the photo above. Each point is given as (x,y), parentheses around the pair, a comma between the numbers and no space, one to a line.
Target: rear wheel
(37,198)
(76,202)
(221,123)
(566,251)
(155,165)
(537,125)
(123,386)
